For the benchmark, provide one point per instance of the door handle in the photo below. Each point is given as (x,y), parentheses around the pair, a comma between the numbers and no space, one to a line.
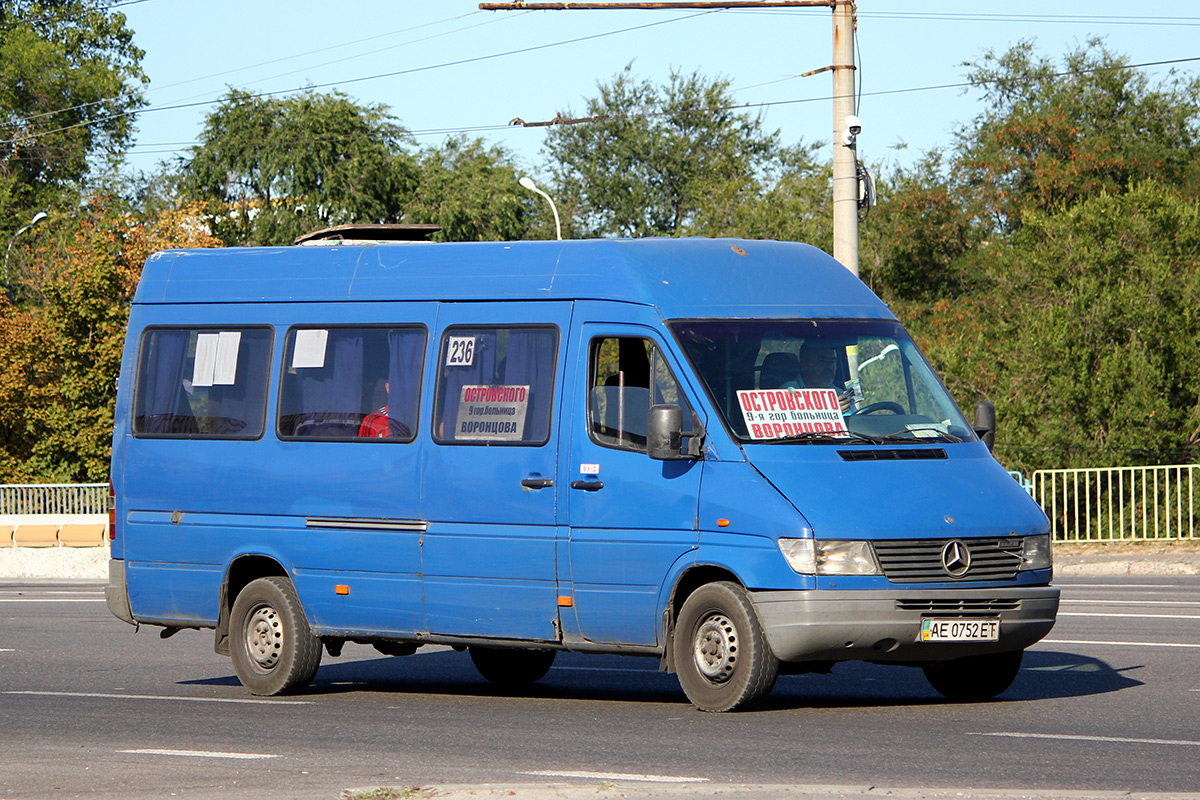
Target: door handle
(588,486)
(537,483)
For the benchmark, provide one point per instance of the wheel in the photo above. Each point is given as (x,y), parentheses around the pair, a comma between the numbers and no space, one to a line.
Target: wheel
(886,405)
(721,653)
(272,648)
(974,678)
(510,667)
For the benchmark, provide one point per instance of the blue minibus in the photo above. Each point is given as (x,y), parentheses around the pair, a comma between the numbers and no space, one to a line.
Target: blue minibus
(724,454)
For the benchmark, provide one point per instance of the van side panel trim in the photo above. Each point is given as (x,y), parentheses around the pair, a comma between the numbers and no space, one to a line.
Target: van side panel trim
(369,523)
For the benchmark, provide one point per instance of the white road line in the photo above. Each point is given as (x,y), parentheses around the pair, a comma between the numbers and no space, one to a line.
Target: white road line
(1118,585)
(1081,738)
(198,754)
(110,695)
(50,600)
(1129,615)
(1117,644)
(613,776)
(29,593)
(1130,602)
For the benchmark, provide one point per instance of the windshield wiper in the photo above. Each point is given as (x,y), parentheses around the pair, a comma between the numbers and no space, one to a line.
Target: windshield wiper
(912,438)
(840,437)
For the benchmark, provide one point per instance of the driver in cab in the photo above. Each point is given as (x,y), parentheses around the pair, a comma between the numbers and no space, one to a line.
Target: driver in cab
(818,370)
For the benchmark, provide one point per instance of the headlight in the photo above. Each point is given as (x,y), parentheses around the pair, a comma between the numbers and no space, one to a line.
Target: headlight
(1035,553)
(815,557)
(800,554)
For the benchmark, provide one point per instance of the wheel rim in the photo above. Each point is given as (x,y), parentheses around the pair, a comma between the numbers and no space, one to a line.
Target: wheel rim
(264,637)
(715,648)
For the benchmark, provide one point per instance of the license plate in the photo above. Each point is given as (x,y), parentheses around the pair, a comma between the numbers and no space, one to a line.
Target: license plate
(960,630)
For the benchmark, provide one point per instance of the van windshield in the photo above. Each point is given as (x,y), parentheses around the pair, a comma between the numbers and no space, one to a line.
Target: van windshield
(820,382)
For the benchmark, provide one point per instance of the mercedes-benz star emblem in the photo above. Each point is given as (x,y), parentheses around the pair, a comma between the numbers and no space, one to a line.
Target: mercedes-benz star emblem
(956,559)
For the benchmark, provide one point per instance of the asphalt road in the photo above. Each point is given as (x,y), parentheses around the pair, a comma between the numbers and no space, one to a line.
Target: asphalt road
(1109,703)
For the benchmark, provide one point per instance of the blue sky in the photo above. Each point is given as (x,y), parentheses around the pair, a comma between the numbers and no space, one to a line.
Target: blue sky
(446,66)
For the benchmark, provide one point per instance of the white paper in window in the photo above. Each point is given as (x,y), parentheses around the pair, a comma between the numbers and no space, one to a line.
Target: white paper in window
(225,369)
(309,351)
(460,351)
(206,359)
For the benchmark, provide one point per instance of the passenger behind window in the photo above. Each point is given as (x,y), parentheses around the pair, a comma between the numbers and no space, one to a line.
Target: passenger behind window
(377,424)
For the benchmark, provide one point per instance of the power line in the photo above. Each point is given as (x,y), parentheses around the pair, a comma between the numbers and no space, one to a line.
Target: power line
(288,58)
(378,76)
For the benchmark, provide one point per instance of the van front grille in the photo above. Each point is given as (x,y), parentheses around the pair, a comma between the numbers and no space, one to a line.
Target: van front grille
(957,605)
(920,560)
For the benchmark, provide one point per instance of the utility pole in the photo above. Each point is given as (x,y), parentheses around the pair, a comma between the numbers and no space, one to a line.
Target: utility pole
(845,147)
(845,123)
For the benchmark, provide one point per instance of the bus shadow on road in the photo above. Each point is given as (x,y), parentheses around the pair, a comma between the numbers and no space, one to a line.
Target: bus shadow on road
(1044,675)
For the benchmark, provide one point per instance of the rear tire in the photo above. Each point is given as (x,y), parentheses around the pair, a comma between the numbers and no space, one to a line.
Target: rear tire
(512,668)
(723,660)
(272,648)
(974,678)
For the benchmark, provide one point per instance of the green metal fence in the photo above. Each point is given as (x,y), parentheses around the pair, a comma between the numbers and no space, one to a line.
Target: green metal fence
(1120,504)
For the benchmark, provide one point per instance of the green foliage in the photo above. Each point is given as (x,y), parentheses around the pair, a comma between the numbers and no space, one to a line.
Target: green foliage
(792,202)
(471,191)
(1088,339)
(658,161)
(1053,135)
(913,244)
(277,168)
(69,75)
(59,358)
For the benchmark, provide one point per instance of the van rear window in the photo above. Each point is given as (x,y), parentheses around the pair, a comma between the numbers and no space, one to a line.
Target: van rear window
(202,382)
(351,383)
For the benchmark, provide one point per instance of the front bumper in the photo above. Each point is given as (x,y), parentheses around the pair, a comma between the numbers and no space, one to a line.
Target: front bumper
(885,625)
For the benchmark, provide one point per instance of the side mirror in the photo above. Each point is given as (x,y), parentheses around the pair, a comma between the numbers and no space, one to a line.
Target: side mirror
(985,422)
(664,434)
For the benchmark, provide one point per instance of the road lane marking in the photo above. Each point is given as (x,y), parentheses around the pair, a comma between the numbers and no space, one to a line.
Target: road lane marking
(614,776)
(50,600)
(1084,738)
(1129,615)
(198,754)
(1117,644)
(1119,585)
(110,695)
(1131,602)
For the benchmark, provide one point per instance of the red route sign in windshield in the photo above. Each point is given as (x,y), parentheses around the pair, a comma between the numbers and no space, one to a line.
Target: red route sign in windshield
(778,413)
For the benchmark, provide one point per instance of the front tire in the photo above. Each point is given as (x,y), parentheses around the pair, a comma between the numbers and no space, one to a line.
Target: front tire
(512,668)
(974,678)
(273,649)
(723,660)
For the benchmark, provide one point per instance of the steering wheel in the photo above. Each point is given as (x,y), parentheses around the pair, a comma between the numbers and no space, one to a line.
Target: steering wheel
(886,405)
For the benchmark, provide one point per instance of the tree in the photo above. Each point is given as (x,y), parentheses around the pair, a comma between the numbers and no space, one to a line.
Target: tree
(658,162)
(278,168)
(1052,136)
(69,78)
(471,191)
(917,242)
(59,359)
(791,202)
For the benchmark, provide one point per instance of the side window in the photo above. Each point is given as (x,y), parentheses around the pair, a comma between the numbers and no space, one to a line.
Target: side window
(495,386)
(627,376)
(203,382)
(351,383)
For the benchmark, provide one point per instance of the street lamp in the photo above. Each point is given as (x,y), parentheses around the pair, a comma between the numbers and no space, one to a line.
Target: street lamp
(38,217)
(528,183)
